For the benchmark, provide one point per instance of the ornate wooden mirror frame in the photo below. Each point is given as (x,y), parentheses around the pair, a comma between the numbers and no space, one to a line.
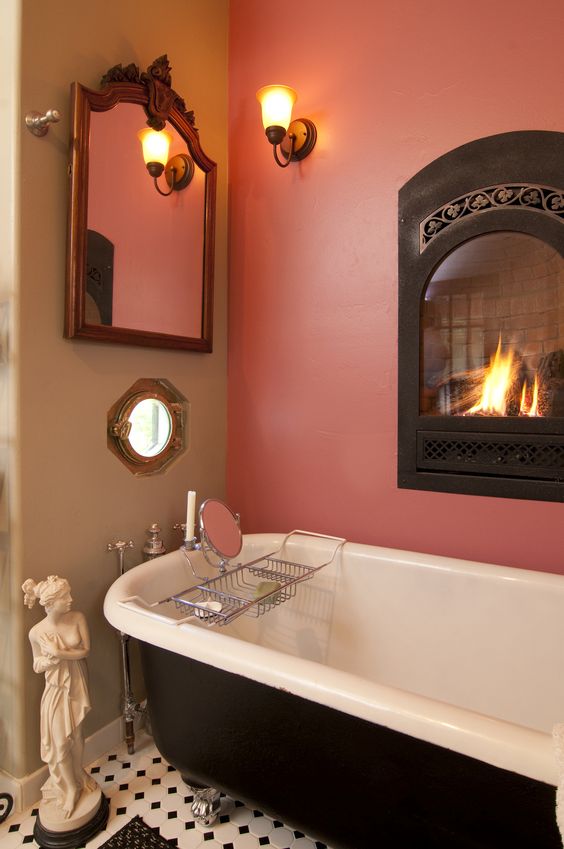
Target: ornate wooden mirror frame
(151,90)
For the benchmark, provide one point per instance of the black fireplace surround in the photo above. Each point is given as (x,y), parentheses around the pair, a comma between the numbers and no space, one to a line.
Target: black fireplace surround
(512,183)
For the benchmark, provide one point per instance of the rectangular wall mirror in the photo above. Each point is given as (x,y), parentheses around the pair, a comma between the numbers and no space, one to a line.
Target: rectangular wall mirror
(140,246)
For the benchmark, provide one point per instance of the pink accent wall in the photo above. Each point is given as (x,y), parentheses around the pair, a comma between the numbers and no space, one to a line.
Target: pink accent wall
(312,422)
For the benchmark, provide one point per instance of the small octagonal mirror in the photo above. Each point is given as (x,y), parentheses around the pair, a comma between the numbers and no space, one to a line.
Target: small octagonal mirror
(146,426)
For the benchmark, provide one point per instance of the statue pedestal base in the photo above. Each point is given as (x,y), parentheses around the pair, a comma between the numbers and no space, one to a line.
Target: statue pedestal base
(88,818)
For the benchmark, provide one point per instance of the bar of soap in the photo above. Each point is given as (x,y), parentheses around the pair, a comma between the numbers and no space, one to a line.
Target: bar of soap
(210,607)
(268,589)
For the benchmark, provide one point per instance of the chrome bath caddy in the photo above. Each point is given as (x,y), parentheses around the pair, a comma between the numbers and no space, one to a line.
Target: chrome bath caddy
(251,588)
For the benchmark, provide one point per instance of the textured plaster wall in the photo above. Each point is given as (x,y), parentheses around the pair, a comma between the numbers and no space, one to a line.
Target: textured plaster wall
(75,495)
(313,256)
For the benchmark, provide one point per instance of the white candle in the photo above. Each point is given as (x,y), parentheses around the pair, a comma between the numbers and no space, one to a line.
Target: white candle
(190,515)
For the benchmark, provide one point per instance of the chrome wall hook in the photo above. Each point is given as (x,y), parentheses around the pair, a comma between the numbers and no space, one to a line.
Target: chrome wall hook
(38,124)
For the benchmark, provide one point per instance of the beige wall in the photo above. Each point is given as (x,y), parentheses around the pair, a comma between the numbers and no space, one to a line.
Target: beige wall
(75,495)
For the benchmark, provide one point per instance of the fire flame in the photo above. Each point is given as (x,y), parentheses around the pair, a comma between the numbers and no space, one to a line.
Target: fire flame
(533,410)
(499,378)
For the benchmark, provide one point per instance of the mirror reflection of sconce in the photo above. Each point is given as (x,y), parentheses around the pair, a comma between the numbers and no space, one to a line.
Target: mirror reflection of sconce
(178,170)
(295,139)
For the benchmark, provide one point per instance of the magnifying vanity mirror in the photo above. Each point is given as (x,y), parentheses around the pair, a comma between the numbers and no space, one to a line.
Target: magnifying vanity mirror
(140,247)
(220,531)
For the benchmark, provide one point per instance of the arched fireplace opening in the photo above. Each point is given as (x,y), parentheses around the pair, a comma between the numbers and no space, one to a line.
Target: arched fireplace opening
(481,320)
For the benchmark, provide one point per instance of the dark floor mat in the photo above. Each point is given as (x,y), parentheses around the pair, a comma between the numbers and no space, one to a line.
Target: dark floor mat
(136,835)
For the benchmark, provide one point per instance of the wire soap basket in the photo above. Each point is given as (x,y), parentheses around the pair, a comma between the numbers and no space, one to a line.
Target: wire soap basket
(251,588)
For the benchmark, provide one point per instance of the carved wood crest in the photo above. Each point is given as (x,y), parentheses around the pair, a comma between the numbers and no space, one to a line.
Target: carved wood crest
(158,82)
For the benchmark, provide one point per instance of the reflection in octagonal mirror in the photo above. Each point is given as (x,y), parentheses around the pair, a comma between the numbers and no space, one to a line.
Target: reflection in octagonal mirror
(151,427)
(147,425)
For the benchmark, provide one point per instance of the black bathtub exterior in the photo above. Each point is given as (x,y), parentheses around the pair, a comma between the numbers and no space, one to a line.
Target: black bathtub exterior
(342,780)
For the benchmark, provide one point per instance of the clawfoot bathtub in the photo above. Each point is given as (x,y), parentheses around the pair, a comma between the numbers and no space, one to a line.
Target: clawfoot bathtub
(398,699)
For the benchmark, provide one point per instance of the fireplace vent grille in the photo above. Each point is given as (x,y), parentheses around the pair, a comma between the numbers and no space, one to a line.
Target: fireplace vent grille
(540,457)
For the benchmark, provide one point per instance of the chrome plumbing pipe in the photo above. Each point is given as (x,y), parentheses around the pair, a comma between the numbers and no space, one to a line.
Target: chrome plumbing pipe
(130,708)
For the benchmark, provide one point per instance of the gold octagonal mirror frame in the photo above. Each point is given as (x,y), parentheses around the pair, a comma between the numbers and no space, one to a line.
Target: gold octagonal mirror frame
(169,411)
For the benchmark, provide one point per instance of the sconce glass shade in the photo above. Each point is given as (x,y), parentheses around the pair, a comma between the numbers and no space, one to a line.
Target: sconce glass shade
(155,146)
(294,140)
(276,103)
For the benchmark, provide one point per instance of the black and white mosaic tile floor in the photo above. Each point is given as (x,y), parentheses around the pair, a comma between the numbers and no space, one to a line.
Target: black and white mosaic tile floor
(144,784)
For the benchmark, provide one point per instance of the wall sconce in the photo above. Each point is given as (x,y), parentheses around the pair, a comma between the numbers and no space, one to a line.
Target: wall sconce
(295,139)
(178,171)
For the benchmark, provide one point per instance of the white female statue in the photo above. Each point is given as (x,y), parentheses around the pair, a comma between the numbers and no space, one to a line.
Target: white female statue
(60,642)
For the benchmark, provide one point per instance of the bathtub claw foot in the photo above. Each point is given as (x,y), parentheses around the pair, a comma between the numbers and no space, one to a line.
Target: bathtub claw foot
(206,805)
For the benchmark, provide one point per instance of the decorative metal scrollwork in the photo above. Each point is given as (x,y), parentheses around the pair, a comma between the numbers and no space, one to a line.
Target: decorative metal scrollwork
(525,196)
